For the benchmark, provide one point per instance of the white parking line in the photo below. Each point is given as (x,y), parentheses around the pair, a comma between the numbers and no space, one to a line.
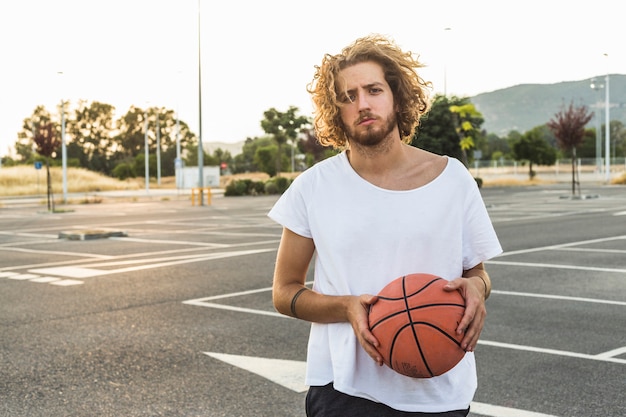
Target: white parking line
(290,374)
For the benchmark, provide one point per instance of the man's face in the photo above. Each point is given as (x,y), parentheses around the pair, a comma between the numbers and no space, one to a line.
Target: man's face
(367,109)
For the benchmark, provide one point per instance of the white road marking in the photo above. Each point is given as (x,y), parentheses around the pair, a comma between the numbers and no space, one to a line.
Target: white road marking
(605,356)
(564,245)
(491,410)
(69,271)
(51,252)
(86,272)
(558,266)
(67,282)
(560,297)
(290,374)
(600,357)
(22,277)
(44,280)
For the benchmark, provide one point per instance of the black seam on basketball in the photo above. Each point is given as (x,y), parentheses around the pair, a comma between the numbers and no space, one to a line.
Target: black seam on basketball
(408,312)
(417,344)
(440,330)
(397,313)
(428,284)
(438,305)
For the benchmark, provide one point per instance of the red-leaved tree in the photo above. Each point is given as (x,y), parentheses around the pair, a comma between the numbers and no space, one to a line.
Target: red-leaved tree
(47,142)
(568,127)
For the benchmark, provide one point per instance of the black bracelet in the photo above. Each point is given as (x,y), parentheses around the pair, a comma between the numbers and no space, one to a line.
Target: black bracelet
(293,301)
(484,283)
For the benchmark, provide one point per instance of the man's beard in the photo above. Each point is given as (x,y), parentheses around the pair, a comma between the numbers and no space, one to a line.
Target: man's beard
(372,136)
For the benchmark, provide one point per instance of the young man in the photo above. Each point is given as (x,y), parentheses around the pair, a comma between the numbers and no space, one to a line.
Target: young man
(378,210)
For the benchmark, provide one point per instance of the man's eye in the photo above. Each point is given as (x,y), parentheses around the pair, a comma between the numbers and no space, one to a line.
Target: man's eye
(348,98)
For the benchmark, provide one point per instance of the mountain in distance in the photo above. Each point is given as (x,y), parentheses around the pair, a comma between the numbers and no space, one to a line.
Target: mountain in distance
(525,106)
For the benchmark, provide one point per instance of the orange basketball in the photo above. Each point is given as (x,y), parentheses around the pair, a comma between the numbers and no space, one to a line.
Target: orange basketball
(415,321)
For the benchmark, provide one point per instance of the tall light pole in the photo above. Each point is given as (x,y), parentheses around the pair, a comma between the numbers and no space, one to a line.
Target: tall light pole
(63,148)
(146,150)
(607,127)
(158,148)
(178,163)
(595,86)
(445,62)
(200,145)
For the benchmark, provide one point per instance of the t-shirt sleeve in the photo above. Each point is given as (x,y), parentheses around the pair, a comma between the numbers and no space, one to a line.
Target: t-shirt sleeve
(480,242)
(290,210)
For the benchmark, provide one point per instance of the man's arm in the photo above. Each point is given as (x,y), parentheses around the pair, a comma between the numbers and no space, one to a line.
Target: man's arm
(292,298)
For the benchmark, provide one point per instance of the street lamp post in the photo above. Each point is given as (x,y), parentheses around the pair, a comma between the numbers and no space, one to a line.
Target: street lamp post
(146,151)
(200,145)
(63,149)
(445,64)
(607,128)
(63,152)
(597,87)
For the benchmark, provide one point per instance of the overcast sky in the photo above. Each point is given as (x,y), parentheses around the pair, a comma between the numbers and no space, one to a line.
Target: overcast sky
(260,54)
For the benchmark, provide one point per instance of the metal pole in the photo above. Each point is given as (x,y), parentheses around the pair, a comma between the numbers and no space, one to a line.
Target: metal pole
(200,146)
(63,152)
(158,149)
(147,152)
(63,148)
(596,87)
(178,163)
(445,63)
(607,132)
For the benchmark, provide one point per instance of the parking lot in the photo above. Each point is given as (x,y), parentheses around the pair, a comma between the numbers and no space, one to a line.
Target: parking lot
(175,317)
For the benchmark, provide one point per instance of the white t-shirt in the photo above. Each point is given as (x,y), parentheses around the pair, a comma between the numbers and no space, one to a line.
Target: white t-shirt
(365,237)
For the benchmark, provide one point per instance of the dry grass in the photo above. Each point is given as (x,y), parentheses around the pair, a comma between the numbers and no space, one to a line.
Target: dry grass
(513,182)
(620,180)
(26,180)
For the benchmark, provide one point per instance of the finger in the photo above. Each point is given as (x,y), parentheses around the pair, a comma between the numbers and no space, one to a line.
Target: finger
(468,317)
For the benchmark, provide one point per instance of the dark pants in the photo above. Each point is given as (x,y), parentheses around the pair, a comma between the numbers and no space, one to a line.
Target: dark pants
(327,402)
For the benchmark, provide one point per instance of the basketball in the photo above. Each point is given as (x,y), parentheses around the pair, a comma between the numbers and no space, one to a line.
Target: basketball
(415,322)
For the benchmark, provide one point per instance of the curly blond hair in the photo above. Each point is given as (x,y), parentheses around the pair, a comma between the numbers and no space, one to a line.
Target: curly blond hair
(410,92)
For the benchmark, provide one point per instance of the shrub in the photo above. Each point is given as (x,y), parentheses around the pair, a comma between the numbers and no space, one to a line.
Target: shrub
(276,185)
(235,188)
(123,171)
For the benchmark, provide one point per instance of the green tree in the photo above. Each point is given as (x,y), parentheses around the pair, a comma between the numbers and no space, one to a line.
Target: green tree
(436,132)
(467,121)
(265,158)
(91,131)
(533,147)
(568,126)
(283,126)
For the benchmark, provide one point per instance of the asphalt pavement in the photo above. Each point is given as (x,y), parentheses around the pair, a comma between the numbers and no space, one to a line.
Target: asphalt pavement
(174,317)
